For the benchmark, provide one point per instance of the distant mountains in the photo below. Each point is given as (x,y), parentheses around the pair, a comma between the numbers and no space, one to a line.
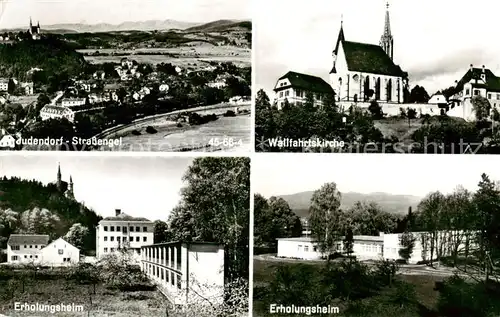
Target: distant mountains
(151,25)
(394,204)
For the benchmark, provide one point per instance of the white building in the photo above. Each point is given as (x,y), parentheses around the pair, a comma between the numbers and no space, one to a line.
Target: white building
(475,82)
(25,248)
(57,112)
(28,88)
(60,253)
(219,84)
(383,246)
(364,72)
(72,102)
(295,87)
(7,141)
(35,249)
(123,232)
(438,99)
(186,272)
(4,84)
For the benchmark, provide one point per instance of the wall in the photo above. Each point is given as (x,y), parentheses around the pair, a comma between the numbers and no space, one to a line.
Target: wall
(51,257)
(290,249)
(393,109)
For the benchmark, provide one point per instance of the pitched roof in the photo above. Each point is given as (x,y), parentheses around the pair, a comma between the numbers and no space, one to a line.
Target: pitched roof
(125,217)
(369,58)
(306,82)
(492,82)
(18,239)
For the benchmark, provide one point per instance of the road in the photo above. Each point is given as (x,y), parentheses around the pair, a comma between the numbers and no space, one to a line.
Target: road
(111,131)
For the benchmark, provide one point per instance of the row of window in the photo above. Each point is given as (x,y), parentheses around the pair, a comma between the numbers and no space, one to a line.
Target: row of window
(27,246)
(298,93)
(477,92)
(306,248)
(15,257)
(124,239)
(125,228)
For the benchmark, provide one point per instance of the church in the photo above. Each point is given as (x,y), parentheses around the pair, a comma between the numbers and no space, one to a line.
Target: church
(35,30)
(364,72)
(62,186)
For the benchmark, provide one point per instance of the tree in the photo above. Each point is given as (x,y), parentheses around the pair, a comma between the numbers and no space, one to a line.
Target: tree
(39,221)
(215,207)
(265,126)
(407,243)
(418,95)
(325,217)
(77,235)
(481,107)
(161,232)
(376,110)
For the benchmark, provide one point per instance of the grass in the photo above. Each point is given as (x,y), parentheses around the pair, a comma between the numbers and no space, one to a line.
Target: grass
(106,302)
(426,296)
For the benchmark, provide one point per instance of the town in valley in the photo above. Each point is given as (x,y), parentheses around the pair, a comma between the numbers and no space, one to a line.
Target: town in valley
(153,85)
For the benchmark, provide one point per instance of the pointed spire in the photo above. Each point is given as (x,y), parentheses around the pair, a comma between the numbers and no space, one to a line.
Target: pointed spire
(387,25)
(58,170)
(31,22)
(71,179)
(341,37)
(386,40)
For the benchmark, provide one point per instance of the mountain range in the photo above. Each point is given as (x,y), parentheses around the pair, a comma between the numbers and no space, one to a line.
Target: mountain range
(394,204)
(150,25)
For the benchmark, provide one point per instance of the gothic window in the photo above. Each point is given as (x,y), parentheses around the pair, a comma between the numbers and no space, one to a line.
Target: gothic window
(340,80)
(355,78)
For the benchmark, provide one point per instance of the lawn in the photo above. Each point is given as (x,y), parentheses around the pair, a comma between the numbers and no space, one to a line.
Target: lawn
(265,271)
(106,302)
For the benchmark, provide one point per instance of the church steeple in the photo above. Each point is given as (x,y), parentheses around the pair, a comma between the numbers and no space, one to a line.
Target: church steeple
(387,41)
(59,178)
(340,39)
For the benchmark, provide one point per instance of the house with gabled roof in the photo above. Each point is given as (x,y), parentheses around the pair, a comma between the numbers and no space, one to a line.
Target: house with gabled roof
(26,248)
(294,87)
(364,72)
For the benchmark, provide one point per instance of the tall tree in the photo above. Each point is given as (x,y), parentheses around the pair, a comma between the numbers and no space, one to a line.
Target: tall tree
(326,217)
(482,107)
(265,126)
(77,235)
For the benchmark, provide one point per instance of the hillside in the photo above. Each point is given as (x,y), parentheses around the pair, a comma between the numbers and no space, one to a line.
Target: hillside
(220,26)
(50,54)
(395,204)
(21,195)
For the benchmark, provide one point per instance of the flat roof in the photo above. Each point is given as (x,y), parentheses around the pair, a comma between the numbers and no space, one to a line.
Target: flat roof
(298,239)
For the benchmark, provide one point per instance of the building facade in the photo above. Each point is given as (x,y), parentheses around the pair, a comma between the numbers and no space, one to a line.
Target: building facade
(4,84)
(364,72)
(35,31)
(186,272)
(384,246)
(294,87)
(123,233)
(60,253)
(72,102)
(57,112)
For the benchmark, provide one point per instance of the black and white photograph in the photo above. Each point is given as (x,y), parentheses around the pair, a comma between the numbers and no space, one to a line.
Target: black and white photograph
(347,237)
(135,75)
(377,76)
(124,235)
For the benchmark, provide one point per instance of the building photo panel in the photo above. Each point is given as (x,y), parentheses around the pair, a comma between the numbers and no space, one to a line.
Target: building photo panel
(124,236)
(147,76)
(375,243)
(376,77)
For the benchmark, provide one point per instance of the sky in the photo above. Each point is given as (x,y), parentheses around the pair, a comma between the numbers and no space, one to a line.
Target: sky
(434,41)
(139,186)
(417,175)
(16,13)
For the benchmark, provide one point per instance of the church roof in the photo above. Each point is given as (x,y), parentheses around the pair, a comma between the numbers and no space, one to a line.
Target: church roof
(369,58)
(491,83)
(125,217)
(306,82)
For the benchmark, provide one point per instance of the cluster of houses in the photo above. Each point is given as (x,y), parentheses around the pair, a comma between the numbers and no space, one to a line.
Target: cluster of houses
(362,73)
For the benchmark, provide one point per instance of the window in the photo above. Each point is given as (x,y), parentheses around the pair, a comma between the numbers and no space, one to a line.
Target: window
(498,96)
(137,239)
(105,250)
(36,256)
(25,256)
(118,228)
(287,93)
(111,238)
(145,229)
(467,92)
(14,258)
(299,247)
(124,229)
(476,92)
(281,94)
(124,239)
(25,246)
(105,228)
(144,239)
(138,229)
(306,248)
(112,228)
(15,247)
(36,246)
(60,251)
(299,93)
(315,248)
(489,96)
(112,250)
(31,246)
(105,238)
(131,229)
(356,78)
(31,257)
(118,239)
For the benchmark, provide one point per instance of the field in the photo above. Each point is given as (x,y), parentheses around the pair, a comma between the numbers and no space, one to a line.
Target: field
(265,272)
(105,303)
(195,56)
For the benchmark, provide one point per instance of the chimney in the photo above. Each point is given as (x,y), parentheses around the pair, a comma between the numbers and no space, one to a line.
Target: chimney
(118,212)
